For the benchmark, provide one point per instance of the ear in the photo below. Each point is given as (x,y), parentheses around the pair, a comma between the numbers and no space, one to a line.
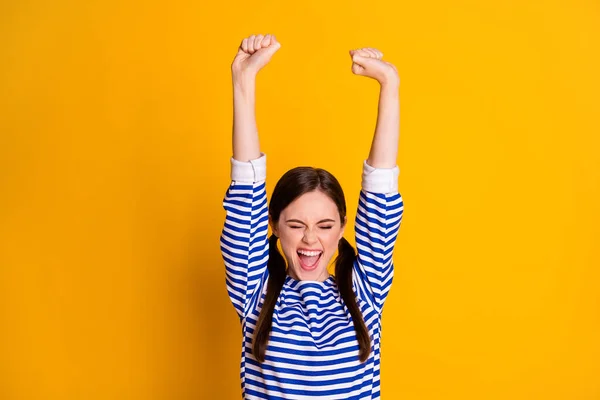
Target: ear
(343,227)
(273,226)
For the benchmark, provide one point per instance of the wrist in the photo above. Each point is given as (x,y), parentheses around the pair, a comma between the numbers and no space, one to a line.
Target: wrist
(243,79)
(390,82)
(389,88)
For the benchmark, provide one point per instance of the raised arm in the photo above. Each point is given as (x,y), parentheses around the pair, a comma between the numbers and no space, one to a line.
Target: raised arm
(380,207)
(253,54)
(384,148)
(244,243)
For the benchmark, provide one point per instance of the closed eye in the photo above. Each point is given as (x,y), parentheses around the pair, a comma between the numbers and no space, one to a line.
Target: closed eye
(300,227)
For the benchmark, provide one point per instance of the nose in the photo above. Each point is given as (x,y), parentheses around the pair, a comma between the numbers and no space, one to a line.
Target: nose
(309,236)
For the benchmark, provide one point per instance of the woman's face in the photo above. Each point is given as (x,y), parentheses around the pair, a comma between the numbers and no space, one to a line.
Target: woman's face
(309,229)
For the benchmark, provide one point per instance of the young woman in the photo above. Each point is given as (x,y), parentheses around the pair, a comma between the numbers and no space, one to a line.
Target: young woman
(307,334)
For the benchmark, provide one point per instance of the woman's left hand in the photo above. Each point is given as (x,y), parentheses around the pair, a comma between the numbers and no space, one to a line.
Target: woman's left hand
(368,62)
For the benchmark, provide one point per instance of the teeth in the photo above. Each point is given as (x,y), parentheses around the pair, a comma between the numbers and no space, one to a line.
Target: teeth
(309,253)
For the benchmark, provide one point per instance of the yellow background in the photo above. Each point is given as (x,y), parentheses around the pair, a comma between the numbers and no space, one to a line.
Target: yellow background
(115,122)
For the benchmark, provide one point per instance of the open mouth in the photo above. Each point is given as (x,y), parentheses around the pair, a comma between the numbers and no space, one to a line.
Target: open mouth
(309,259)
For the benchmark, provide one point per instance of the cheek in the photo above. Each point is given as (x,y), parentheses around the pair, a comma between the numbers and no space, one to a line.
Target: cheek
(289,239)
(290,235)
(330,239)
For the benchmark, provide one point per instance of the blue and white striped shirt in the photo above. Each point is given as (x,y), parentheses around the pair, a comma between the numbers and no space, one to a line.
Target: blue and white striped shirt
(312,350)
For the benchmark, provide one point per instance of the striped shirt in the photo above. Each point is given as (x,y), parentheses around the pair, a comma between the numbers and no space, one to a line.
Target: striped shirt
(312,350)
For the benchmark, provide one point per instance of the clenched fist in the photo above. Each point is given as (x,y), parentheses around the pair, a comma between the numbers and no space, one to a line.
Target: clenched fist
(368,62)
(253,54)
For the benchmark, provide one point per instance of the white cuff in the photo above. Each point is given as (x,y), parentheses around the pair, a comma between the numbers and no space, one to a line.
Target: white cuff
(249,171)
(380,180)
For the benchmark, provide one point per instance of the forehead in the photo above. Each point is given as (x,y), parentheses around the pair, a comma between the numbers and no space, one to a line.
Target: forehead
(314,205)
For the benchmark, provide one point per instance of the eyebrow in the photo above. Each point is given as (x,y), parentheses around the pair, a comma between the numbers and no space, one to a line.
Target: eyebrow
(300,222)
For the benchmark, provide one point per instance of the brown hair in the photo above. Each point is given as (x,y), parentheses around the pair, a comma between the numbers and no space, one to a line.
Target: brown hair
(292,185)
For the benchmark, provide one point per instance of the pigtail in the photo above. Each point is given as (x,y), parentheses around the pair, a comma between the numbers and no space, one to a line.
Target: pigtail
(277,273)
(344,264)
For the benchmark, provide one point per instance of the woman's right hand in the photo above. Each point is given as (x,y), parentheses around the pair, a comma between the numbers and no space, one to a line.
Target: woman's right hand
(253,54)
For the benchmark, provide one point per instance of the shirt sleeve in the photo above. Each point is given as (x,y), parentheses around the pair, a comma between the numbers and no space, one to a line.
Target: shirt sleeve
(244,241)
(378,218)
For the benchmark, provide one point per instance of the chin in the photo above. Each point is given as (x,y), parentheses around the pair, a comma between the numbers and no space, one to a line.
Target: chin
(309,276)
